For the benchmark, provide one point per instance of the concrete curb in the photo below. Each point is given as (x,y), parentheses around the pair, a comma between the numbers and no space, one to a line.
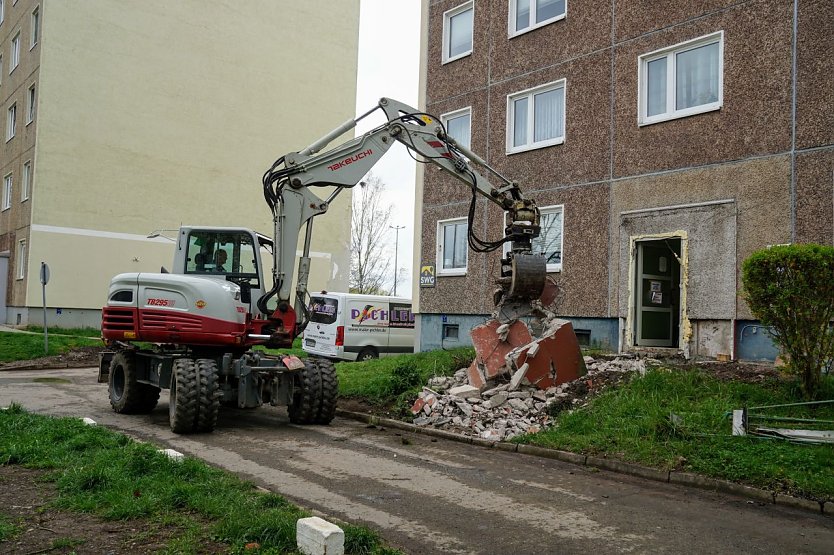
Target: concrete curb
(654,474)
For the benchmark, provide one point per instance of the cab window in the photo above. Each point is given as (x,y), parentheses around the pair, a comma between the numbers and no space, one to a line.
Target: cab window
(222,254)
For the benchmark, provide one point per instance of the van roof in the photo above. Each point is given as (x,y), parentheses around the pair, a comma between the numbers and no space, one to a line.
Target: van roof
(358,296)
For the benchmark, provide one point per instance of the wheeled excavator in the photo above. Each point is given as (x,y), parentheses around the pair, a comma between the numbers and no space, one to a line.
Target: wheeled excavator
(204,319)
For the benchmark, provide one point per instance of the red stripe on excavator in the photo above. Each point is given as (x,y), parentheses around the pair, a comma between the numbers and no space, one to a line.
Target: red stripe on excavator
(435,144)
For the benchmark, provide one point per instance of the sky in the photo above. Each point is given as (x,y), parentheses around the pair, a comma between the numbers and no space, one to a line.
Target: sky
(389,65)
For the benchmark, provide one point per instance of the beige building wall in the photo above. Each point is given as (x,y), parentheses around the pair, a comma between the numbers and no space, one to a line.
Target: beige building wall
(155,114)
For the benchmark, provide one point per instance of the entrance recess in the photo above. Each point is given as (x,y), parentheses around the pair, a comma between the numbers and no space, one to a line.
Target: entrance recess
(658,293)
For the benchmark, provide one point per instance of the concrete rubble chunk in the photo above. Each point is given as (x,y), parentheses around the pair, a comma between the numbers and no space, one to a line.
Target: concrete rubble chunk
(464,391)
(519,375)
(491,347)
(518,405)
(497,400)
(476,375)
(316,536)
(490,392)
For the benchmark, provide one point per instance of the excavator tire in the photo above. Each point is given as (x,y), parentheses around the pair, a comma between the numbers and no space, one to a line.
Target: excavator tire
(128,396)
(208,397)
(182,407)
(315,398)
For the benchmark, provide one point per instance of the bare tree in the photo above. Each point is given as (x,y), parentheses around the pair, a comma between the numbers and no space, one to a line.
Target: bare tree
(369,256)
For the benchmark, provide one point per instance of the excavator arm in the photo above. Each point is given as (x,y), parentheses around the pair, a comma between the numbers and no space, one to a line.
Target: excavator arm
(288,192)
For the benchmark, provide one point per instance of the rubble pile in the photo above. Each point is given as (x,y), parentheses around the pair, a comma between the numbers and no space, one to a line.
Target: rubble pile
(505,409)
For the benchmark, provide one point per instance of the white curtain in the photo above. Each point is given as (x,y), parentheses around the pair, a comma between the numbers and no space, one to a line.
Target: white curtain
(656,77)
(520,121)
(459,129)
(696,76)
(548,117)
(460,33)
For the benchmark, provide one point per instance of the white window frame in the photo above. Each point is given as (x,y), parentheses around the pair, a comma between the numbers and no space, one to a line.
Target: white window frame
(2,11)
(555,267)
(15,53)
(670,54)
(441,245)
(20,260)
(560,84)
(31,100)
(36,27)
(444,118)
(7,191)
(26,181)
(511,32)
(11,122)
(447,16)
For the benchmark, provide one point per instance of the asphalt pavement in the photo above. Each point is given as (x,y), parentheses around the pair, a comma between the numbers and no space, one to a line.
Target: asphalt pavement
(428,495)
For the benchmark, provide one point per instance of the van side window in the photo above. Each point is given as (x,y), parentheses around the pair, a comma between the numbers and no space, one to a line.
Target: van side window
(323,311)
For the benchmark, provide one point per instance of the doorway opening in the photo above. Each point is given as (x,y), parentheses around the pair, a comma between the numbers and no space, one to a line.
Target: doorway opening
(657,302)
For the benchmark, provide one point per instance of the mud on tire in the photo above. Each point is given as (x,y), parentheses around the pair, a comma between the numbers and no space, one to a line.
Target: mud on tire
(182,408)
(314,401)
(127,396)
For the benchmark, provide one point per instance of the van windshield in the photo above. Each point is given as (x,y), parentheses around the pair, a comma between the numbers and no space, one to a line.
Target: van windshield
(322,310)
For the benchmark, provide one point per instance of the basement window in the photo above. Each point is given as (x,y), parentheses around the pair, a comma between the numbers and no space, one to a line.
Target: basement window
(451,332)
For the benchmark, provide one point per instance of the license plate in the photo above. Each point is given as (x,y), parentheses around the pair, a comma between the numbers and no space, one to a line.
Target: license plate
(310,342)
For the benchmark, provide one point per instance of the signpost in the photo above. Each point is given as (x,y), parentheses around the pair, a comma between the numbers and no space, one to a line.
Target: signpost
(44,281)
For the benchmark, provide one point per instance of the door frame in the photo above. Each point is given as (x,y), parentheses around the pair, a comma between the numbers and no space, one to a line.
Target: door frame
(684,326)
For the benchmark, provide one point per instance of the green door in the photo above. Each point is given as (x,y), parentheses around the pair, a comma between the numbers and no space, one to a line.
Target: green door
(658,273)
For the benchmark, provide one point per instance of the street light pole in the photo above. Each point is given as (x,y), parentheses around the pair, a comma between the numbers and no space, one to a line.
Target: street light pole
(396,228)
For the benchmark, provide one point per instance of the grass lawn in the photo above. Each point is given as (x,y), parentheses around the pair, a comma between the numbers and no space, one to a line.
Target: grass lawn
(26,346)
(104,473)
(78,332)
(395,381)
(633,423)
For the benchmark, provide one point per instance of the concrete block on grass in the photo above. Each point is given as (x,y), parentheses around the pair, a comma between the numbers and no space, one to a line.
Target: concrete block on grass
(316,536)
(88,421)
(172,454)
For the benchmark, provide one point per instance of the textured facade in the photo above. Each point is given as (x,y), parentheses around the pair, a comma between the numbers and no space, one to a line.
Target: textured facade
(657,212)
(151,115)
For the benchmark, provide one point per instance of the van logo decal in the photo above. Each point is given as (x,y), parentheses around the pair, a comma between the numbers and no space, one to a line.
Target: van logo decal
(368,313)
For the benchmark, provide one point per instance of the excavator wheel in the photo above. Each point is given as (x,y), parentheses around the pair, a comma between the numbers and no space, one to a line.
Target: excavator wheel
(314,401)
(208,395)
(182,407)
(127,396)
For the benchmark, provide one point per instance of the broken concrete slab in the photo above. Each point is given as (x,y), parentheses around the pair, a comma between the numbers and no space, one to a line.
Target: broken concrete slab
(465,392)
(491,350)
(558,357)
(476,375)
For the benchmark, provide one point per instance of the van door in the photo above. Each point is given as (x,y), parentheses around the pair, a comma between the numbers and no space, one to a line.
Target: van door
(321,332)
(366,328)
(401,328)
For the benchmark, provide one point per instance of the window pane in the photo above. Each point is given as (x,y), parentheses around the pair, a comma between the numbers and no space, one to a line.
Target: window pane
(549,242)
(547,112)
(697,76)
(459,129)
(448,246)
(548,9)
(656,77)
(522,14)
(460,246)
(520,121)
(460,33)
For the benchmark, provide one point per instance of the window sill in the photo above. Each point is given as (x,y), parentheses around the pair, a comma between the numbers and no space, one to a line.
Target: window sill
(680,114)
(512,34)
(6,208)
(535,146)
(451,273)
(458,57)
(554,269)
(29,122)
(24,200)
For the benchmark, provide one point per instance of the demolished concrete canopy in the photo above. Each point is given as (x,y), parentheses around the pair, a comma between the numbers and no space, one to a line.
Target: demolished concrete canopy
(509,349)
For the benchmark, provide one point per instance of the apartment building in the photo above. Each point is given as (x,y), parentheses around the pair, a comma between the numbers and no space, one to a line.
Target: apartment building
(663,141)
(127,119)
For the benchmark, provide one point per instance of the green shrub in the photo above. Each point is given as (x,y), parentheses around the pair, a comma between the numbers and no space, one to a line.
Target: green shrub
(791,289)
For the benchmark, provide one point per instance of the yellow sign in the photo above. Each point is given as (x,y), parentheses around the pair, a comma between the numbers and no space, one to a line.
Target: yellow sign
(427,119)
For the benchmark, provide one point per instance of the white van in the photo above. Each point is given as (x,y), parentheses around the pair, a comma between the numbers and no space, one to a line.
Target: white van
(358,327)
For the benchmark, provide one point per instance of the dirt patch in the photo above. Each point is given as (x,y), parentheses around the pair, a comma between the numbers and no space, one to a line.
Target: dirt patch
(25,502)
(80,357)
(747,372)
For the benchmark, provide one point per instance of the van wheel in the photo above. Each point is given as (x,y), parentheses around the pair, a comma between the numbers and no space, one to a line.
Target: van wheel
(368,353)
